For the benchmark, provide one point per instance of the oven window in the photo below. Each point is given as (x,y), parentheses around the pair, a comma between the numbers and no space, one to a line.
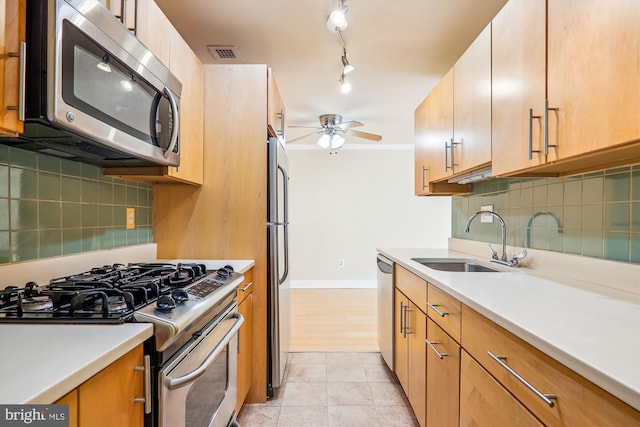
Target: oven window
(98,84)
(206,394)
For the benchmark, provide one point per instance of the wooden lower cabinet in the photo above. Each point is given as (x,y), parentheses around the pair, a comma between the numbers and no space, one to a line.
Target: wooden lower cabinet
(410,353)
(577,402)
(485,403)
(443,378)
(70,399)
(400,348)
(245,343)
(107,398)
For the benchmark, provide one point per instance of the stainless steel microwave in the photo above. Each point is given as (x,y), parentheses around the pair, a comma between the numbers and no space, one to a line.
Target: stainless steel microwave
(93,91)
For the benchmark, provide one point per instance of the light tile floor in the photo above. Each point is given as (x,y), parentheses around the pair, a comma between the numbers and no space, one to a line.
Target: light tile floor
(333,389)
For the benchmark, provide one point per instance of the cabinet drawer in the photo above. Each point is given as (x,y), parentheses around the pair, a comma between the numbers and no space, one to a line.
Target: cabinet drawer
(443,378)
(578,402)
(445,310)
(246,288)
(412,286)
(484,402)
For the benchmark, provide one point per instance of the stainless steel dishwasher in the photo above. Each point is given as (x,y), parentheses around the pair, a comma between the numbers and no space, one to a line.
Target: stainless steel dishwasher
(385,309)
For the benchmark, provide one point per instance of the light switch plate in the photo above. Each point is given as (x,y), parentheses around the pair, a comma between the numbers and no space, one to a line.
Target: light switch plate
(486,217)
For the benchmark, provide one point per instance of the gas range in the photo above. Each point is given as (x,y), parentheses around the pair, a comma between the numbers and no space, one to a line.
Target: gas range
(171,296)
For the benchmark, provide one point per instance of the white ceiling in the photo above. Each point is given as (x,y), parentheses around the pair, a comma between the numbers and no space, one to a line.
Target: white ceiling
(400,49)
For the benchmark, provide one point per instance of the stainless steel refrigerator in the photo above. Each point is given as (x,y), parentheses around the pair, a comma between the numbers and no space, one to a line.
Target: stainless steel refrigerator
(278,285)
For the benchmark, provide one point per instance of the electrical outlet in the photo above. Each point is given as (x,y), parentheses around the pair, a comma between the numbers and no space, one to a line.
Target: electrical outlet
(340,263)
(131,218)
(486,217)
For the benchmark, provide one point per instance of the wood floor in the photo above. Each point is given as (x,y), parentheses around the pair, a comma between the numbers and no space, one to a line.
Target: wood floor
(333,320)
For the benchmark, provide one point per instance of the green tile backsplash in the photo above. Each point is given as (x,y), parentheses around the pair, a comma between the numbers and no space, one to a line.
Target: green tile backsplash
(596,214)
(51,207)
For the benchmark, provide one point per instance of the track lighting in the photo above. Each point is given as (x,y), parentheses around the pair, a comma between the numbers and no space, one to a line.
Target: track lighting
(345,63)
(337,20)
(345,86)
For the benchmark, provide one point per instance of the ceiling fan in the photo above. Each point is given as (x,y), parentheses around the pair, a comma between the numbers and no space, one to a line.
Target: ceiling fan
(332,131)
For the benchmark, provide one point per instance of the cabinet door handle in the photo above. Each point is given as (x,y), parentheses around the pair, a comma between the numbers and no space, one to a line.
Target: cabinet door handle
(22,57)
(401,317)
(545,397)
(434,307)
(281,117)
(546,127)
(246,287)
(432,345)
(531,117)
(407,331)
(146,368)
(446,156)
(423,181)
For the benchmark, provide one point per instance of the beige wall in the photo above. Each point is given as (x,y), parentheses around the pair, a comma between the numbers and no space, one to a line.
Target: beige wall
(345,205)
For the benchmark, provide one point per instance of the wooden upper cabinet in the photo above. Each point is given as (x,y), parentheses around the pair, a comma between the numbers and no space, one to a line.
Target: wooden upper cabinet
(189,70)
(275,108)
(472,106)
(589,73)
(156,32)
(518,85)
(433,127)
(13,17)
(439,128)
(593,74)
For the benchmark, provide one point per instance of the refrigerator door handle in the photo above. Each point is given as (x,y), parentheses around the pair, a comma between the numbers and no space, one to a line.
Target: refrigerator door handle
(285,223)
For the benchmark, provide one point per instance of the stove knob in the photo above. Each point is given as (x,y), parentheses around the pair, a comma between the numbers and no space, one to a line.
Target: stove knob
(180,295)
(166,303)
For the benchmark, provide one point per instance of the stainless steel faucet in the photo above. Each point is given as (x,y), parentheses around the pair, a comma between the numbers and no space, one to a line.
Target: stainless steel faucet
(504,232)
(494,256)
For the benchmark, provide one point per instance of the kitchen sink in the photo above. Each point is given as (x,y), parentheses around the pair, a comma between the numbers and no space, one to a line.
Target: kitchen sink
(455,265)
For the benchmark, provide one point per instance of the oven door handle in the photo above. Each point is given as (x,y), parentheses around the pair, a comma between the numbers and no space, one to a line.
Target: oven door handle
(174,383)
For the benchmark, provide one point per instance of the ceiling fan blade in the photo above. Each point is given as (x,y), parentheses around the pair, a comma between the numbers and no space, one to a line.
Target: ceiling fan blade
(365,135)
(304,127)
(304,136)
(350,124)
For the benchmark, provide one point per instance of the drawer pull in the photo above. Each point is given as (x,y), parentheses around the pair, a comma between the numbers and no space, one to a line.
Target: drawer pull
(545,397)
(432,345)
(246,287)
(434,307)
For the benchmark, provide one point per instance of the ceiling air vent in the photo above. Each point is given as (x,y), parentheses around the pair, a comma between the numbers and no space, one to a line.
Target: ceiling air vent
(224,53)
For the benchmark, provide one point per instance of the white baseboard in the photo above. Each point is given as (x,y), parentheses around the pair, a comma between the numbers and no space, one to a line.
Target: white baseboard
(333,284)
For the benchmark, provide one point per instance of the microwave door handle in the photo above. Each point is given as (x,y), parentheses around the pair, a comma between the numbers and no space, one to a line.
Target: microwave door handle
(176,122)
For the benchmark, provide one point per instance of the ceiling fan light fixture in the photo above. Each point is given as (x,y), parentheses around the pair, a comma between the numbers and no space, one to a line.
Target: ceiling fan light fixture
(336,141)
(324,141)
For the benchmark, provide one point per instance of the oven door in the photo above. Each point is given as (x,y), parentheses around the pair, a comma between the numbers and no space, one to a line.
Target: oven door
(198,387)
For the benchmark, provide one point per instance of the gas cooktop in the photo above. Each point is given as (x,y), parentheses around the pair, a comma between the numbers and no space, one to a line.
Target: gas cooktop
(110,294)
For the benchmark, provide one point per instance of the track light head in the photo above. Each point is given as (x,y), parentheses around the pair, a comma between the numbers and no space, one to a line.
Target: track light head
(345,86)
(337,20)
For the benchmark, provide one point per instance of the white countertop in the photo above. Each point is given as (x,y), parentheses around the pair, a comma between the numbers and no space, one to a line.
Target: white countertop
(593,330)
(41,363)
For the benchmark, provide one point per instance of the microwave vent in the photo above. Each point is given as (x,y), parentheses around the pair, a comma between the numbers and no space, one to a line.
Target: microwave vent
(224,53)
